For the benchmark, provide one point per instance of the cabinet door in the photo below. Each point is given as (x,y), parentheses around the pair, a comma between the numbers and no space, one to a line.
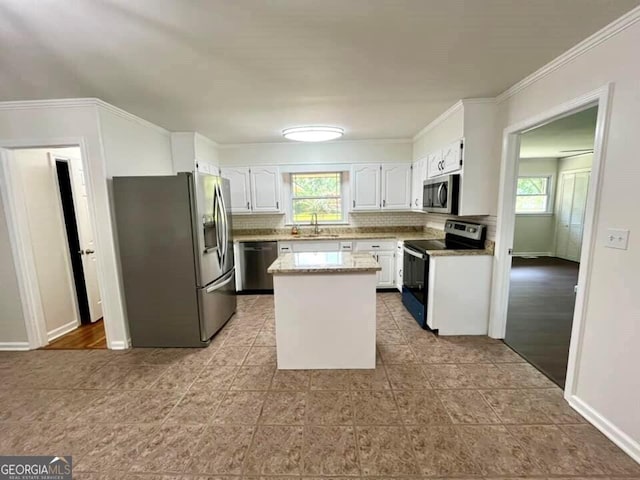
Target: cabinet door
(418,176)
(265,189)
(433,164)
(240,190)
(386,276)
(451,157)
(365,187)
(396,186)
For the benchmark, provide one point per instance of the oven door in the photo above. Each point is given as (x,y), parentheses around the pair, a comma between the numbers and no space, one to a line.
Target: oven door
(415,268)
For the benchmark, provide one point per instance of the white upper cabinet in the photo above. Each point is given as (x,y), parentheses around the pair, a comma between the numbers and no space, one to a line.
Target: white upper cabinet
(396,186)
(418,176)
(365,187)
(239,180)
(463,140)
(265,189)
(446,160)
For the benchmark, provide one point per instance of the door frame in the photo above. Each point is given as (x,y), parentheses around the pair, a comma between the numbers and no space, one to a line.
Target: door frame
(601,98)
(20,238)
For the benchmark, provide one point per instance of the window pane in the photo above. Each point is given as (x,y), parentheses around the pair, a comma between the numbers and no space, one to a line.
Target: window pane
(328,209)
(532,185)
(316,184)
(531,204)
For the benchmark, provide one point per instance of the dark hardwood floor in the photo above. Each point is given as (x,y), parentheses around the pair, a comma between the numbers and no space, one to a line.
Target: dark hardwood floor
(540,315)
(85,336)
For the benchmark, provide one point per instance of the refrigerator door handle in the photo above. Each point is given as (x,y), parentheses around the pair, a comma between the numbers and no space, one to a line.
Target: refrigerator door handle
(223,219)
(218,286)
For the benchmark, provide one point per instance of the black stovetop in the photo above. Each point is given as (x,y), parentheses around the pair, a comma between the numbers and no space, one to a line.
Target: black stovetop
(446,244)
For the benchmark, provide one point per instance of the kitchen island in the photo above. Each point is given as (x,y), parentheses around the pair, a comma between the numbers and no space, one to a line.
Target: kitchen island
(325,310)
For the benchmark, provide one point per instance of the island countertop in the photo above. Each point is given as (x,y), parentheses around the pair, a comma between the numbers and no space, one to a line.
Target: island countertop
(324,262)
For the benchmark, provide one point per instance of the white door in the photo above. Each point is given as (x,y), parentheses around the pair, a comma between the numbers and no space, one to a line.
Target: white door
(87,243)
(396,186)
(365,187)
(240,190)
(265,189)
(571,210)
(418,176)
(386,276)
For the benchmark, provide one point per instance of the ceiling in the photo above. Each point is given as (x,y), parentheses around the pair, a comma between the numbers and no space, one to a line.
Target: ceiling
(239,71)
(562,138)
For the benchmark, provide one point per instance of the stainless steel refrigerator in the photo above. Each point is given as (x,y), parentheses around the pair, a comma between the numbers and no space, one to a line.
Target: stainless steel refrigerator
(176,254)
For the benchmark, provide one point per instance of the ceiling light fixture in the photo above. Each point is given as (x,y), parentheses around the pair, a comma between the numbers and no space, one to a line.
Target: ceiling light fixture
(312,133)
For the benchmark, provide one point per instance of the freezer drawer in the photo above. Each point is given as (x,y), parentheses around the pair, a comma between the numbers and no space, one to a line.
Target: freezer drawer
(216,304)
(256,257)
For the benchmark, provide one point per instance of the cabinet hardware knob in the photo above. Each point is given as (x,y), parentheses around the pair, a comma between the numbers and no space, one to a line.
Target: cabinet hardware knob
(248,206)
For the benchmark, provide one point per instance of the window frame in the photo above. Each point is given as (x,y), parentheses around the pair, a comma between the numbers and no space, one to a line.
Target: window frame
(344,194)
(549,195)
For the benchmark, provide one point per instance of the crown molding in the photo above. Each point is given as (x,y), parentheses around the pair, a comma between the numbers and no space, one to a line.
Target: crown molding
(79,102)
(438,120)
(602,35)
(293,143)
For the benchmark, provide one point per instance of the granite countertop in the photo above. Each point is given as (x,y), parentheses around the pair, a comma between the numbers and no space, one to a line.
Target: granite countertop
(461,253)
(336,234)
(324,262)
(282,237)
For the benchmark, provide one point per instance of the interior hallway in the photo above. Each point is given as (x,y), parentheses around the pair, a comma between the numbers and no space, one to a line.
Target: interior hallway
(89,336)
(540,315)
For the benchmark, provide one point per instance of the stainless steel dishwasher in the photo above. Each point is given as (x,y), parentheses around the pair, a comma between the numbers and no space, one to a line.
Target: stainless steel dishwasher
(255,258)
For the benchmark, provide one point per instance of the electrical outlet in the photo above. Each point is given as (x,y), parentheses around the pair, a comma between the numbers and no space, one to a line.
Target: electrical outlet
(617,238)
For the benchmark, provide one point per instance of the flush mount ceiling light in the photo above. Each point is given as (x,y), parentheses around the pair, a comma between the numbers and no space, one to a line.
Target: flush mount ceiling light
(312,133)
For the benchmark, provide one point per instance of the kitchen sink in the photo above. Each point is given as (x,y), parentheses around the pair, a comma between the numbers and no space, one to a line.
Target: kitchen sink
(318,235)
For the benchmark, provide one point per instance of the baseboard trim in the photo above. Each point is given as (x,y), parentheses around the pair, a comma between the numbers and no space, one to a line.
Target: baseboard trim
(120,345)
(58,332)
(14,346)
(617,436)
(532,254)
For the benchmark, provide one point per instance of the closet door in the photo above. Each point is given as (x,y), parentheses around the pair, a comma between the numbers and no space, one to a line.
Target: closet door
(572,206)
(578,208)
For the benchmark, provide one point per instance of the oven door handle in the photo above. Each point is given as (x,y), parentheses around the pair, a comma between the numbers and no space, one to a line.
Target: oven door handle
(413,252)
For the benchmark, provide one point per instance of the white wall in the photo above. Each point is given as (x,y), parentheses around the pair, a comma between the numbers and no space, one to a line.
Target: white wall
(132,147)
(112,143)
(442,131)
(13,332)
(534,233)
(315,153)
(608,382)
(47,124)
(35,175)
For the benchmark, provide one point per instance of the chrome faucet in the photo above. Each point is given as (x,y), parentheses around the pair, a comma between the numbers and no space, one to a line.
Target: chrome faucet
(314,222)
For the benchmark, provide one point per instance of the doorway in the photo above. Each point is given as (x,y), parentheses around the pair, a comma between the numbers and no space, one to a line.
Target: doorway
(55,226)
(552,187)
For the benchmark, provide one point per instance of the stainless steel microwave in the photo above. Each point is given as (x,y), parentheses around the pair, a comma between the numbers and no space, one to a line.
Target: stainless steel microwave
(441,194)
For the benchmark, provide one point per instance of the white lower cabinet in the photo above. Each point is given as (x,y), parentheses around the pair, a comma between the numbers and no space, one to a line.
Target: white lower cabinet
(459,294)
(384,251)
(386,276)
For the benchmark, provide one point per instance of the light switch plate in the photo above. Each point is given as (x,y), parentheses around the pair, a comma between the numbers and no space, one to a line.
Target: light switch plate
(617,238)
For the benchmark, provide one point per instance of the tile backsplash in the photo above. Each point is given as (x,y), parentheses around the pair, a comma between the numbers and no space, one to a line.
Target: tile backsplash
(374,219)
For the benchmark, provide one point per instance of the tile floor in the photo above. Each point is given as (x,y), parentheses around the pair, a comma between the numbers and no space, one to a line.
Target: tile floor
(433,407)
